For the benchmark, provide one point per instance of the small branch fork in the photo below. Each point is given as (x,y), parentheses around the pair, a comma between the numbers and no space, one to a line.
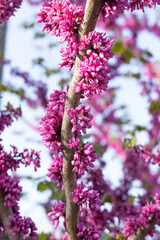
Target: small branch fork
(92,10)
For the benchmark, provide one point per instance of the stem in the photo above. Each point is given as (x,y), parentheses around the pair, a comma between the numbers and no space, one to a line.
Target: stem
(4,213)
(142,232)
(92,10)
(3,28)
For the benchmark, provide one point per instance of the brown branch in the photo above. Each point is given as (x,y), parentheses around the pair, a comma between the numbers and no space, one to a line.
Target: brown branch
(142,232)
(4,213)
(92,10)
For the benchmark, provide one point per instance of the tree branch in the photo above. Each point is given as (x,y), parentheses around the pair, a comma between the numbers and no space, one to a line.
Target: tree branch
(4,213)
(142,232)
(92,10)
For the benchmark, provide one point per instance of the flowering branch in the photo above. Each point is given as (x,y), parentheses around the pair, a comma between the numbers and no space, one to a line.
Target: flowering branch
(4,213)
(142,232)
(92,11)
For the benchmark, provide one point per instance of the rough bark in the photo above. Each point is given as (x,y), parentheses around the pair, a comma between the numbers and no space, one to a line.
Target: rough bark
(142,232)
(4,213)
(91,14)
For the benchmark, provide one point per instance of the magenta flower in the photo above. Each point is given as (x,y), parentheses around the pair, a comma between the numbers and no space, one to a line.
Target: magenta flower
(86,197)
(50,126)
(84,158)
(80,118)
(55,169)
(94,68)
(7,9)
(24,226)
(56,213)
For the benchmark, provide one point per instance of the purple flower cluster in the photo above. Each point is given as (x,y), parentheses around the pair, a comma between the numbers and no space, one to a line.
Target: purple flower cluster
(55,169)
(115,7)
(50,129)
(24,225)
(50,125)
(84,158)
(88,232)
(7,9)
(57,212)
(80,118)
(140,4)
(86,197)
(94,67)
(7,115)
(148,213)
(9,185)
(61,18)
(12,161)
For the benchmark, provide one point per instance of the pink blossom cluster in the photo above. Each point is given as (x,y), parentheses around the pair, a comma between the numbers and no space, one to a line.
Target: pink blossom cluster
(86,197)
(84,159)
(94,67)
(140,4)
(7,9)
(50,129)
(114,7)
(12,161)
(61,18)
(148,213)
(146,154)
(24,226)
(88,232)
(50,125)
(57,212)
(9,185)
(55,170)
(7,116)
(80,119)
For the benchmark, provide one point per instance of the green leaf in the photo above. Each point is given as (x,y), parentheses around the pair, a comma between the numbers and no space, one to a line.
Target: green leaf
(42,186)
(131,199)
(128,54)
(104,236)
(142,59)
(154,106)
(86,136)
(107,198)
(148,53)
(44,236)
(120,237)
(127,142)
(38,61)
(39,35)
(118,47)
(99,149)
(26,25)
(140,128)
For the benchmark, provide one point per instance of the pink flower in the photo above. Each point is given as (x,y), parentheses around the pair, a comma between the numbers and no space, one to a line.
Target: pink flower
(50,126)
(56,213)
(7,9)
(94,67)
(84,158)
(80,118)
